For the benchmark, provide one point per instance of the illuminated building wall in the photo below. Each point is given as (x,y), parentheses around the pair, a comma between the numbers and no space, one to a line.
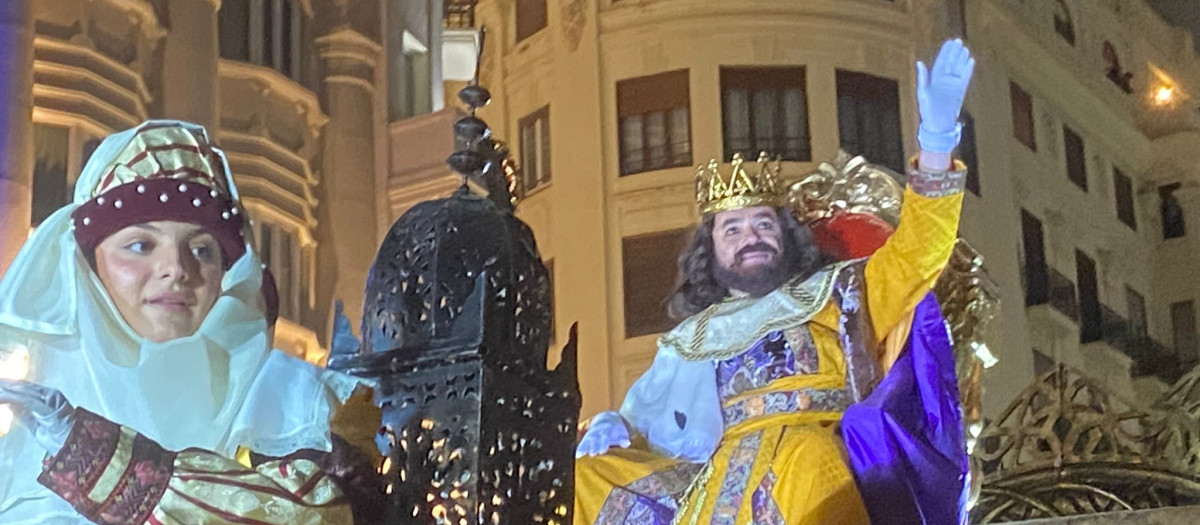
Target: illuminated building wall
(337,118)
(303,95)
(612,103)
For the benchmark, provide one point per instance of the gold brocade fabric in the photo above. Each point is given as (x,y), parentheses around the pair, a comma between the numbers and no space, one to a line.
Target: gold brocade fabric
(165,151)
(210,489)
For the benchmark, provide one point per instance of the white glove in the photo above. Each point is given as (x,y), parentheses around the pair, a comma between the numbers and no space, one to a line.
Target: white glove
(940,95)
(607,430)
(43,410)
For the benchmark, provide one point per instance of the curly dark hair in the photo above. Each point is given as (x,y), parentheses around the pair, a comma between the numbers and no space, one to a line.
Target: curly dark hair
(697,286)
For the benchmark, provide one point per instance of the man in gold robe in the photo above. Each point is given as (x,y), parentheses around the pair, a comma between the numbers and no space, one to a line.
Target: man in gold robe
(740,417)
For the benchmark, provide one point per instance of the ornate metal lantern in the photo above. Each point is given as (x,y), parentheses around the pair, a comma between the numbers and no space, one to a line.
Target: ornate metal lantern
(456,332)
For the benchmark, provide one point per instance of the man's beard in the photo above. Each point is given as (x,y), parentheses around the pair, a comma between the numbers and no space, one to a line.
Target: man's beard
(756,282)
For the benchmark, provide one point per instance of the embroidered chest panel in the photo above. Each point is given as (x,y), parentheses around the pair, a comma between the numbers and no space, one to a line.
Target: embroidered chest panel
(779,354)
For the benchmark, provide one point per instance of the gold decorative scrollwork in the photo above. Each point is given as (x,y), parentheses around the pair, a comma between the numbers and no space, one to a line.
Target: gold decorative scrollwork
(1067,447)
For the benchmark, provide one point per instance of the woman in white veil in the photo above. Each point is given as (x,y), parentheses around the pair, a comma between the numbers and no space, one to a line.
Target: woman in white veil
(200,378)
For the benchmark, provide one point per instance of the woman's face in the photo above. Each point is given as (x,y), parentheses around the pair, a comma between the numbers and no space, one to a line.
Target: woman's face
(164,277)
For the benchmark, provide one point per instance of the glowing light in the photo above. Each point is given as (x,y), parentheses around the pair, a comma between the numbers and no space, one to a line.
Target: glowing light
(14,364)
(6,419)
(1164,94)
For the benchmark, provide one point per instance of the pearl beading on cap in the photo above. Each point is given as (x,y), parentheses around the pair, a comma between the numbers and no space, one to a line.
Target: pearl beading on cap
(163,198)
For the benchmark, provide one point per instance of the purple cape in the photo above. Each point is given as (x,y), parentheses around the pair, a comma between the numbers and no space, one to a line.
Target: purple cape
(905,441)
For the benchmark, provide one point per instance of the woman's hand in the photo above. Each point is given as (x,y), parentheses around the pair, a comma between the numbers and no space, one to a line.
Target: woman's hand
(940,95)
(43,410)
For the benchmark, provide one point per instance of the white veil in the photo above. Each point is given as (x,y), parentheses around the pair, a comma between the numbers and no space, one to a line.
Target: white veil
(218,389)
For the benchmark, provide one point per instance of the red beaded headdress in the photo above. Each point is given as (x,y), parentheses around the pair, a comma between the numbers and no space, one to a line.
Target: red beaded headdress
(167,172)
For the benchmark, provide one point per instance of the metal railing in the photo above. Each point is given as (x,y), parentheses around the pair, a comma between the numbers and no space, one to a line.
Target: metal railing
(1062,294)
(1149,356)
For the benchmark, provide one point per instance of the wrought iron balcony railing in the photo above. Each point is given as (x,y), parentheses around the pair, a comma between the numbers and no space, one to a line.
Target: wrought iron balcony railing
(1149,356)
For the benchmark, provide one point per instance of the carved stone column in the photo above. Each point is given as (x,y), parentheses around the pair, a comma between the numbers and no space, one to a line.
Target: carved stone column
(348,174)
(190,81)
(16,126)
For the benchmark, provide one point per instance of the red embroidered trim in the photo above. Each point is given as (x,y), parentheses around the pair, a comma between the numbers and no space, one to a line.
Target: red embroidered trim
(142,484)
(74,472)
(89,450)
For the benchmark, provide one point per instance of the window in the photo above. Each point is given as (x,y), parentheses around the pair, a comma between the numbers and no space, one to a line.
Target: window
(869,118)
(234,22)
(1076,161)
(1123,189)
(279,251)
(1113,70)
(1135,306)
(263,32)
(51,145)
(650,270)
(1090,327)
(1183,326)
(89,147)
(654,122)
(531,18)
(535,149)
(968,154)
(1062,22)
(1171,212)
(1042,363)
(1037,278)
(765,109)
(1022,109)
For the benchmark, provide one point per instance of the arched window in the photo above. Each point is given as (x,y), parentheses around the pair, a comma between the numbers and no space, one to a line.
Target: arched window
(1113,70)
(1062,22)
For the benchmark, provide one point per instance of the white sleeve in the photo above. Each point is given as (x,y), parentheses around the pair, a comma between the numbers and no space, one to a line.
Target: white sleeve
(675,399)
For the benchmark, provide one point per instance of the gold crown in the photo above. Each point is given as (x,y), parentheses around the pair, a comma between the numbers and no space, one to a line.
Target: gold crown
(715,193)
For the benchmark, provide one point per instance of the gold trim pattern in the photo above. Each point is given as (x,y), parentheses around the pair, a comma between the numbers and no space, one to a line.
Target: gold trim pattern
(806,296)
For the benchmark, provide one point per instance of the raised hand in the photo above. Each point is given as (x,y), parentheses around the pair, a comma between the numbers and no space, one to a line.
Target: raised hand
(606,431)
(43,410)
(940,94)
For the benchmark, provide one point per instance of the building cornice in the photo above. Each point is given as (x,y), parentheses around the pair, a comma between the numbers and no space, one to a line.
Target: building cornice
(273,83)
(881,17)
(350,57)
(348,44)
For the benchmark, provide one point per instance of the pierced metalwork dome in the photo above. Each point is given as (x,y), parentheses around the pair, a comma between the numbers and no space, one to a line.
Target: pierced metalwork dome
(439,256)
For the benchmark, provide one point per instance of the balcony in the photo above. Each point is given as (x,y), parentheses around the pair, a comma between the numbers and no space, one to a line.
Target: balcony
(1149,356)
(1047,286)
